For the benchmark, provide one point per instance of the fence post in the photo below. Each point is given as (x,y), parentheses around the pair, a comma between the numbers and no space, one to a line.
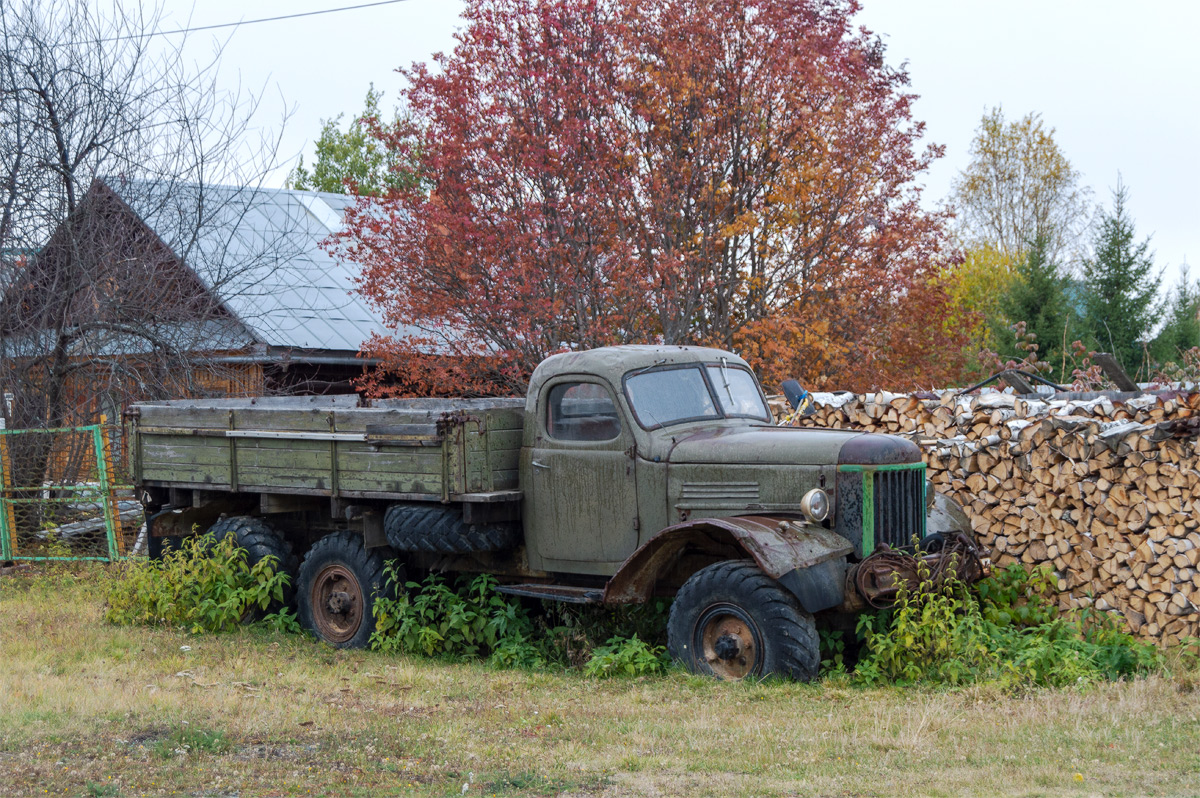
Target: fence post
(112,495)
(105,490)
(8,531)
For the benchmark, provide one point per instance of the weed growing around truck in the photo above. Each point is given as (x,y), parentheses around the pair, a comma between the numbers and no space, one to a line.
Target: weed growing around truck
(95,708)
(1006,630)
(472,621)
(205,586)
(209,586)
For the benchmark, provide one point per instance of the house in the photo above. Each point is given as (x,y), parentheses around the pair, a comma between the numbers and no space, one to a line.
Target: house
(155,290)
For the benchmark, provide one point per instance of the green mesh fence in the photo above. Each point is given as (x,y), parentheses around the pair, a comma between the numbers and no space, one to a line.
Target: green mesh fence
(61,496)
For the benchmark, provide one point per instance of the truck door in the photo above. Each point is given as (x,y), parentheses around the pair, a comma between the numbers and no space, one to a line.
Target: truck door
(581,501)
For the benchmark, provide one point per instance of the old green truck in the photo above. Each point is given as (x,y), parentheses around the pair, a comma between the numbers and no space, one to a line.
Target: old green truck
(625,474)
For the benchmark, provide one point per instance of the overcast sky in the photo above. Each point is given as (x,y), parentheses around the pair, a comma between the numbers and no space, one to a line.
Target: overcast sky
(1118,81)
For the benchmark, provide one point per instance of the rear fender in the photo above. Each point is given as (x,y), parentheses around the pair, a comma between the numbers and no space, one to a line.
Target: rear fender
(809,561)
(184,521)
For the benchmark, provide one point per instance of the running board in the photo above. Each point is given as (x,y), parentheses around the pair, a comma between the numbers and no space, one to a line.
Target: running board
(570,595)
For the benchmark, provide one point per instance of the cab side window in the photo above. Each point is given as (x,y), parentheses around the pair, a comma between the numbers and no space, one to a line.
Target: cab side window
(581,411)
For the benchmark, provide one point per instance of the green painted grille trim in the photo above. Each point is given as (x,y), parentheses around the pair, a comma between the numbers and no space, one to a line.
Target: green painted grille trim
(868,510)
(890,467)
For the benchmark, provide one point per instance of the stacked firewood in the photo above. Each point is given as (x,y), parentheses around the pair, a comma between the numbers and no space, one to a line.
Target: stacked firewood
(1106,491)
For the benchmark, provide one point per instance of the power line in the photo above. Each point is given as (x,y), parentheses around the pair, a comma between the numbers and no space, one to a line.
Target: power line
(243,22)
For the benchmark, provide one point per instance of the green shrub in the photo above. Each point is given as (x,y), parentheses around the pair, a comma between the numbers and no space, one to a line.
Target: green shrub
(577,630)
(627,656)
(205,585)
(833,651)
(1008,629)
(933,634)
(1014,596)
(469,620)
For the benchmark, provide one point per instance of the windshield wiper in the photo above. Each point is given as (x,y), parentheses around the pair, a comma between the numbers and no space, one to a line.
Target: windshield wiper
(725,379)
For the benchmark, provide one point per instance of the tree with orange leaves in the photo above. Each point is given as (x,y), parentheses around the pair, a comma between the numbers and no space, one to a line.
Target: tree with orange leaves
(729,172)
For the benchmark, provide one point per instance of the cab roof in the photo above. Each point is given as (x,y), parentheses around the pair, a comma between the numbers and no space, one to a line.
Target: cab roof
(613,362)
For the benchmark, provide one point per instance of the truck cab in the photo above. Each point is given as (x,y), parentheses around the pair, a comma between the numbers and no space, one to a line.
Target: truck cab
(621,443)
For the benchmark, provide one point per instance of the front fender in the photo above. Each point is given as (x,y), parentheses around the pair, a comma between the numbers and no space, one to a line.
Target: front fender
(807,560)
(947,516)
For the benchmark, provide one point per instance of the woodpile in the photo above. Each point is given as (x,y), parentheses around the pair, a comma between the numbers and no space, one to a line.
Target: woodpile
(1106,490)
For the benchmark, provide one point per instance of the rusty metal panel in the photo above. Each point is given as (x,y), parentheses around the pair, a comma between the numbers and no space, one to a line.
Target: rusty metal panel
(778,546)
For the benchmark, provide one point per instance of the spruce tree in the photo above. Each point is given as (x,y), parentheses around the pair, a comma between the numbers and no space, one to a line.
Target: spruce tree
(1182,328)
(1038,298)
(1120,287)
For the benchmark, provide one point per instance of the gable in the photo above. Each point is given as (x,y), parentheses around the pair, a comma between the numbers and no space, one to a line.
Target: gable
(260,251)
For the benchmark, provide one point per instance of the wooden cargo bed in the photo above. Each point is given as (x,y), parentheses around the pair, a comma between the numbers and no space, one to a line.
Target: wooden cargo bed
(422,449)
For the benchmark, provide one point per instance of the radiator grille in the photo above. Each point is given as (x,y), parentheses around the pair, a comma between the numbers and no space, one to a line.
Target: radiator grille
(899,506)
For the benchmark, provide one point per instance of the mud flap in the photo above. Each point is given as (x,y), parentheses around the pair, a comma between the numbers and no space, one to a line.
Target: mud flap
(818,587)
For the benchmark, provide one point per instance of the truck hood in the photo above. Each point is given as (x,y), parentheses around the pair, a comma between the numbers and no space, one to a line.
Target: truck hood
(789,446)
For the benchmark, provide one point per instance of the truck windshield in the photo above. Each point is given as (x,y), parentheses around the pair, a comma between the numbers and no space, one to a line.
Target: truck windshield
(674,395)
(737,392)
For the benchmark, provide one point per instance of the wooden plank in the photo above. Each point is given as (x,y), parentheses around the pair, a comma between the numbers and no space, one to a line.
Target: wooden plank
(186,452)
(425,485)
(173,416)
(307,460)
(505,439)
(507,476)
(490,497)
(312,460)
(271,478)
(176,474)
(389,461)
(392,495)
(279,420)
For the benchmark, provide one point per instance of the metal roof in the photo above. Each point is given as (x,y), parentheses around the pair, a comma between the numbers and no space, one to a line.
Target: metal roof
(259,251)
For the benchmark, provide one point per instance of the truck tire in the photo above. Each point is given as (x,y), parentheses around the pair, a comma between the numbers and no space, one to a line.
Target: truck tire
(339,582)
(260,540)
(434,528)
(732,621)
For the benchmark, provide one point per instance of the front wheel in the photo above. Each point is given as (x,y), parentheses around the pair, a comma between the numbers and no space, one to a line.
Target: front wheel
(339,582)
(731,620)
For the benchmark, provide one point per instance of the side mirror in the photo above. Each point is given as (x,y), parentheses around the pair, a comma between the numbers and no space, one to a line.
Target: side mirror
(793,392)
(798,398)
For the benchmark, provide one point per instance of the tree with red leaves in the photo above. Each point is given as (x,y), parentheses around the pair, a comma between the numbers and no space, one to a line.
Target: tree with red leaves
(730,172)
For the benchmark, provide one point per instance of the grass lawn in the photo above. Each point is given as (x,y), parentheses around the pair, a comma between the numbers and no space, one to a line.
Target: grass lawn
(91,709)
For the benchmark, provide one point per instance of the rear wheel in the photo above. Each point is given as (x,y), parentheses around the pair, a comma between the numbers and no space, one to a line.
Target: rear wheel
(339,582)
(260,541)
(732,621)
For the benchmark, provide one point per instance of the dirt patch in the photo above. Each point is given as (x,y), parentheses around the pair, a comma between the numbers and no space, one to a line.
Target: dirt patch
(277,753)
(148,737)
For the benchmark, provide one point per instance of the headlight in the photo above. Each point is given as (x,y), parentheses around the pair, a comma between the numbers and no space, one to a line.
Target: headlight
(815,505)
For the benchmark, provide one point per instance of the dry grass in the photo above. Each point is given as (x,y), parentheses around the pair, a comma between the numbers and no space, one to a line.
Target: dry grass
(91,709)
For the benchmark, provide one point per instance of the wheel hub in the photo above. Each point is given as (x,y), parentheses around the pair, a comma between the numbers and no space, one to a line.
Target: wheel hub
(728,640)
(337,602)
(340,602)
(727,647)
